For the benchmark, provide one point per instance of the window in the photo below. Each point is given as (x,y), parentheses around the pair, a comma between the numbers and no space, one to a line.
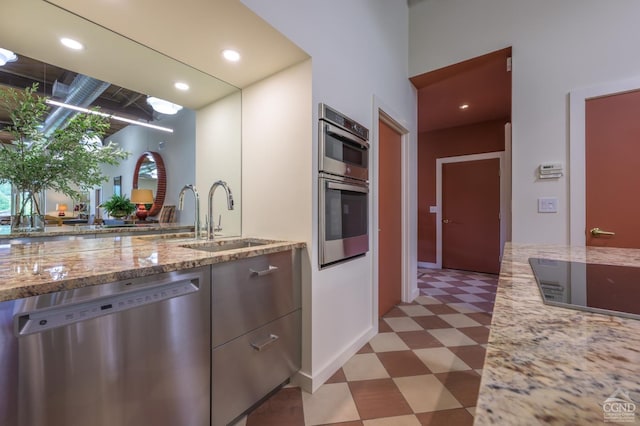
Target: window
(5,199)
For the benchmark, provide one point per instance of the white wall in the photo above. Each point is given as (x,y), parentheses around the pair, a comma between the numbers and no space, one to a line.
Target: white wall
(557,47)
(218,157)
(277,168)
(276,159)
(358,50)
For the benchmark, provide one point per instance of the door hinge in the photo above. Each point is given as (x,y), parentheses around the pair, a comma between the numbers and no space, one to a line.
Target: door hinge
(509,64)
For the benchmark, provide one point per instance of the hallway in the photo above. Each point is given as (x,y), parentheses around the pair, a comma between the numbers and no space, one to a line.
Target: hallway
(423,368)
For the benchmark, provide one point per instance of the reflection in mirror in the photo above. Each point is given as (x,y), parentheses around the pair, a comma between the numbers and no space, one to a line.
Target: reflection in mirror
(209,124)
(117,186)
(150,173)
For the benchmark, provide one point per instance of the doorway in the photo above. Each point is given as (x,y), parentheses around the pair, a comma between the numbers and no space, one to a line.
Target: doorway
(391,207)
(471,196)
(463,109)
(389,218)
(604,152)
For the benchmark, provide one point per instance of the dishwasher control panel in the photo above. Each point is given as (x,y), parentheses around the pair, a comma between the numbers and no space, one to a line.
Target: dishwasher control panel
(46,319)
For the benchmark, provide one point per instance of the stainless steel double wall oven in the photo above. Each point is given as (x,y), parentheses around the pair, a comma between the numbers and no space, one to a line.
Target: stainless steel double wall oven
(343,187)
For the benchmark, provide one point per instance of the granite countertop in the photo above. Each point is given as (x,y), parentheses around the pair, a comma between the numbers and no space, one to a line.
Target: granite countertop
(36,268)
(553,365)
(51,231)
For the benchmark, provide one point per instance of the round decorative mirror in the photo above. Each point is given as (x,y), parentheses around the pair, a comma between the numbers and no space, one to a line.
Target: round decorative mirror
(151,174)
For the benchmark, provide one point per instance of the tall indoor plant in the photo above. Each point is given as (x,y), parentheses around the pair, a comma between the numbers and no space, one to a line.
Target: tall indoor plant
(63,161)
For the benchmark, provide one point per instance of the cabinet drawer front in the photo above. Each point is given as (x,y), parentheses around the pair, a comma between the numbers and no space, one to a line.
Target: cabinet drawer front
(249,367)
(249,293)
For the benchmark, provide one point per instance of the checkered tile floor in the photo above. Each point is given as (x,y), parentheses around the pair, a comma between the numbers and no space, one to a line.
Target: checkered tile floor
(423,368)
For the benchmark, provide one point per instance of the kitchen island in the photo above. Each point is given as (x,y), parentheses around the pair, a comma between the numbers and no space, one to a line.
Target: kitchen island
(553,365)
(142,330)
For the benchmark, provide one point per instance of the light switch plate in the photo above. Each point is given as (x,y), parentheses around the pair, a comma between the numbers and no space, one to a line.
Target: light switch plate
(433,209)
(547,205)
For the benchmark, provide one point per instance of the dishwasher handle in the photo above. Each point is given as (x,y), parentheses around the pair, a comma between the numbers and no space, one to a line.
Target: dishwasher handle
(41,320)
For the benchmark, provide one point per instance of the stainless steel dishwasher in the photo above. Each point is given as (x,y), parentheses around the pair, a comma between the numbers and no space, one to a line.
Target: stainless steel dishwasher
(134,352)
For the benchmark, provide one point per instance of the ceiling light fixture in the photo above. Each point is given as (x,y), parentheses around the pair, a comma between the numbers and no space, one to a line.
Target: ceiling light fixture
(464,106)
(162,106)
(71,43)
(231,55)
(181,86)
(7,56)
(111,116)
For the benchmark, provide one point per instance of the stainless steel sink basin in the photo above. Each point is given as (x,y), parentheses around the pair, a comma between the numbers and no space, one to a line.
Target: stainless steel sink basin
(217,246)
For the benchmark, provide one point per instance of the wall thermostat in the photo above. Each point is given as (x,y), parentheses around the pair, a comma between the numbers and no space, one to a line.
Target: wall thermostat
(550,171)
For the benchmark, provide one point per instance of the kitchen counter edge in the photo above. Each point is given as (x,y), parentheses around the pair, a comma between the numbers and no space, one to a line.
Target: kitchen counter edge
(46,267)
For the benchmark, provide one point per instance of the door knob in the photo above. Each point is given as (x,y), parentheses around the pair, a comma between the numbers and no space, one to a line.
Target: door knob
(596,232)
(445,220)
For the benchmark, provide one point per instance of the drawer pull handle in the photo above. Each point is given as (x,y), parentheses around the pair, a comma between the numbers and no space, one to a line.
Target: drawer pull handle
(264,345)
(271,270)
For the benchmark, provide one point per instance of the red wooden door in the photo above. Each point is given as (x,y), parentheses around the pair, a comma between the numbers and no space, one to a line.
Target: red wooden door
(390,219)
(471,215)
(612,156)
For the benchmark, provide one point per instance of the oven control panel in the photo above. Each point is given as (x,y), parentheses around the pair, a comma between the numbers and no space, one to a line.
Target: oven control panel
(331,115)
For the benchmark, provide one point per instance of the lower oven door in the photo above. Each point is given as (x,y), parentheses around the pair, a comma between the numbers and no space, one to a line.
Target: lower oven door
(343,219)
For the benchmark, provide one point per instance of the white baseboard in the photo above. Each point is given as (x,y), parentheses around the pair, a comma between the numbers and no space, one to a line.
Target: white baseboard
(415,293)
(429,265)
(310,383)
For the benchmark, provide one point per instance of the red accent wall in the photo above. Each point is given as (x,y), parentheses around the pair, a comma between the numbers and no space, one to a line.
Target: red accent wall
(473,139)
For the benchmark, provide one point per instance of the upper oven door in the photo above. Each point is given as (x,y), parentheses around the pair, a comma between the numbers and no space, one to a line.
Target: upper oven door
(342,153)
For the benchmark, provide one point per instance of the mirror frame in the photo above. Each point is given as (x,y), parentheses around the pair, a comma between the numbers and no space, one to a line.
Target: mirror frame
(158,200)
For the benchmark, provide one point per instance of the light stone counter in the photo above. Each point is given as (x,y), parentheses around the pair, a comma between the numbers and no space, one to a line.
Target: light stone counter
(553,365)
(89,231)
(48,266)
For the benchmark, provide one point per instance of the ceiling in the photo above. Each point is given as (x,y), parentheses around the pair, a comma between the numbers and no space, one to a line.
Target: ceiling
(195,32)
(170,41)
(483,83)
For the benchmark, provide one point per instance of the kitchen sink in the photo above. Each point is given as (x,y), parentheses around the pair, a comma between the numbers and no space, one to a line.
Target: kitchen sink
(217,246)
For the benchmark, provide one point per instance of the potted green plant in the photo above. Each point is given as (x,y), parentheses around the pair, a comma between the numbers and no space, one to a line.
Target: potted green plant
(63,160)
(118,206)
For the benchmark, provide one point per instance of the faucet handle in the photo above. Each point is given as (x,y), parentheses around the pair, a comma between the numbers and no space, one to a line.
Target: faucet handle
(218,228)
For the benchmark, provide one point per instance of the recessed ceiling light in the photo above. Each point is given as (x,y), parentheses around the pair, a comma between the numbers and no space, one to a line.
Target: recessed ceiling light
(162,106)
(231,55)
(181,86)
(464,106)
(71,43)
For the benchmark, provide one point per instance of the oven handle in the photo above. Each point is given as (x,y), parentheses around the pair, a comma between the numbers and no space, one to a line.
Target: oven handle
(345,187)
(332,130)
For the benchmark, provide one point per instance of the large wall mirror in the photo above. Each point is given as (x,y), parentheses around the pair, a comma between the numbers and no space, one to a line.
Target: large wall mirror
(204,141)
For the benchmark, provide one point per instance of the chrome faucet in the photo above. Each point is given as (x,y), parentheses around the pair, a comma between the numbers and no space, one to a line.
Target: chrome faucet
(197,206)
(212,190)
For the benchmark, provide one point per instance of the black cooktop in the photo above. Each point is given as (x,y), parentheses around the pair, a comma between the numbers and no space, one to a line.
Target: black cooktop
(606,289)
